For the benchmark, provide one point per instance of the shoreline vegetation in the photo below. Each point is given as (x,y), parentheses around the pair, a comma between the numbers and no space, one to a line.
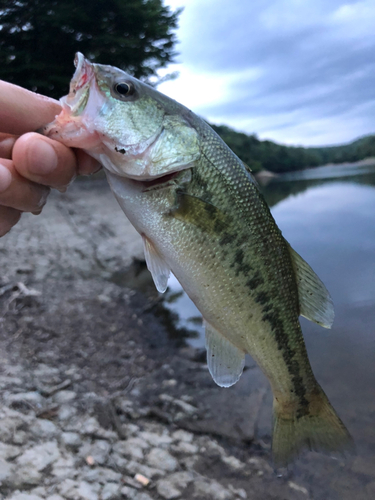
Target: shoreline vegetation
(264,155)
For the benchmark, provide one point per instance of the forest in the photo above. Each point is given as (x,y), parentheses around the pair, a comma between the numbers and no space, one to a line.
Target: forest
(277,158)
(38,39)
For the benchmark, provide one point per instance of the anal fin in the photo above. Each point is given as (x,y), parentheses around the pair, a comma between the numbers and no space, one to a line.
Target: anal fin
(225,361)
(156,265)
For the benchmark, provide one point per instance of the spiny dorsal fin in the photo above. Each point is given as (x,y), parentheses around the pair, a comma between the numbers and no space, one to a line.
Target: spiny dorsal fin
(225,361)
(314,299)
(156,265)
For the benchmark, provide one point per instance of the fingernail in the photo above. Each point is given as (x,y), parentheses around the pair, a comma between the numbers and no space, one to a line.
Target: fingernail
(43,198)
(42,158)
(5,178)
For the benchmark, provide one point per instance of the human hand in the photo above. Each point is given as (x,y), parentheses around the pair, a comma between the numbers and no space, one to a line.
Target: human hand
(30,164)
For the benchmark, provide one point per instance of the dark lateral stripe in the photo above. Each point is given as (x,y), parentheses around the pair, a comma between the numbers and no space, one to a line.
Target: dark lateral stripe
(288,353)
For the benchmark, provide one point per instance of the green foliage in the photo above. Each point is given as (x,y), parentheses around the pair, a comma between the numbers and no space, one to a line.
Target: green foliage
(277,158)
(38,39)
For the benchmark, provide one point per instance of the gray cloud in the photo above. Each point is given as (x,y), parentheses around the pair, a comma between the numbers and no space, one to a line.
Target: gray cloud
(313,58)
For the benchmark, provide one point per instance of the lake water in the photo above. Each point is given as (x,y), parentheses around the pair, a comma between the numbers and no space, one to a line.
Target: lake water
(328,215)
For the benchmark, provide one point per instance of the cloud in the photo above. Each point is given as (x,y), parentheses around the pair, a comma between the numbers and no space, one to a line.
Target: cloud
(279,67)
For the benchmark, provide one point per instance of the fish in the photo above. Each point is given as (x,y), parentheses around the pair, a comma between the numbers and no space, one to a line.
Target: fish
(202,217)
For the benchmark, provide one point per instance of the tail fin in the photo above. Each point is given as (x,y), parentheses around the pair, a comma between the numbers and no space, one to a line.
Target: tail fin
(319,430)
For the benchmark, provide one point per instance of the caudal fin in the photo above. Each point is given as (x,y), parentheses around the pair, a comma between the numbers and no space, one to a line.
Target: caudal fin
(319,430)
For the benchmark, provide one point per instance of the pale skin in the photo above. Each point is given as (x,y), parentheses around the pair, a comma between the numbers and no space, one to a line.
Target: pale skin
(31,164)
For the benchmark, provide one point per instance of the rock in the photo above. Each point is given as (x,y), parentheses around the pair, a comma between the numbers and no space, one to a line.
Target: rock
(101,475)
(208,489)
(90,426)
(173,485)
(6,381)
(7,429)
(182,435)
(185,407)
(40,490)
(233,462)
(71,440)
(166,489)
(8,451)
(73,490)
(24,477)
(28,398)
(184,447)
(62,397)
(24,496)
(161,459)
(129,449)
(239,492)
(66,412)
(133,468)
(118,462)
(111,491)
(131,429)
(42,428)
(40,456)
(189,462)
(142,496)
(11,421)
(132,494)
(99,450)
(20,437)
(45,372)
(155,439)
(137,441)
(129,493)
(64,467)
(6,471)
(32,462)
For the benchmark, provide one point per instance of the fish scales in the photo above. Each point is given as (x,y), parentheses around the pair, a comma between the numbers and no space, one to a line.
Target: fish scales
(200,214)
(274,290)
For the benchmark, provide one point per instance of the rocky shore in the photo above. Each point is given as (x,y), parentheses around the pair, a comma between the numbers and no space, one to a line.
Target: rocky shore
(101,399)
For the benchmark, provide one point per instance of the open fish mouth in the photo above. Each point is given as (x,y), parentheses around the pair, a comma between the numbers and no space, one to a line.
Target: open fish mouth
(79,91)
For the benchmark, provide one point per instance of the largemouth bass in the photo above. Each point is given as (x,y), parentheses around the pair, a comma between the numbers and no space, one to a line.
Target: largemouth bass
(201,216)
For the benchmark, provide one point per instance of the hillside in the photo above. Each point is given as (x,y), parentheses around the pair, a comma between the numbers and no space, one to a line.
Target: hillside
(277,158)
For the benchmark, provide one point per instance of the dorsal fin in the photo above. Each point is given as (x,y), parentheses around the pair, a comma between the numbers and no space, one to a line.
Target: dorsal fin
(314,299)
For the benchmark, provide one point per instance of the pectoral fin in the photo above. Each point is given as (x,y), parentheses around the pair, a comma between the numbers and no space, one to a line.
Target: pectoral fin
(156,265)
(314,299)
(225,361)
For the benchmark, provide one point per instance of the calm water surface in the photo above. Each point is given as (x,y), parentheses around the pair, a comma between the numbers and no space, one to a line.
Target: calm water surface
(328,215)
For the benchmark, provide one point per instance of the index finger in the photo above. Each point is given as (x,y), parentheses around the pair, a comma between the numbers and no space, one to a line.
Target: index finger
(24,111)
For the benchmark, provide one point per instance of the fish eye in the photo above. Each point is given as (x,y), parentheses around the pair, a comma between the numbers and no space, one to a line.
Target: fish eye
(124,89)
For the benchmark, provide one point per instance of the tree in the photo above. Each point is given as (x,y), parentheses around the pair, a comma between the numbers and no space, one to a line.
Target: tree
(38,39)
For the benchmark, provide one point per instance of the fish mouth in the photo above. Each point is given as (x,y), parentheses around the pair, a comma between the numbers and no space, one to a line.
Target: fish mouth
(79,91)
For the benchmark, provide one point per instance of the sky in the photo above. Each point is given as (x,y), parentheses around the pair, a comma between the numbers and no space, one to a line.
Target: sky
(298,72)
